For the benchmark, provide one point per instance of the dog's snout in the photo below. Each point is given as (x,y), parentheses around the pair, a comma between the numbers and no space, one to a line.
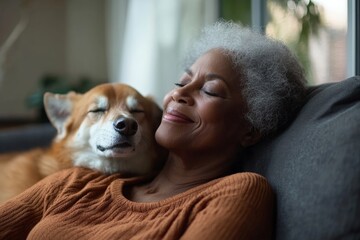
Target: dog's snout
(126,126)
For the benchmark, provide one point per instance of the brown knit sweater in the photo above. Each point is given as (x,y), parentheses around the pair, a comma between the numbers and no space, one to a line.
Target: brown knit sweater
(82,204)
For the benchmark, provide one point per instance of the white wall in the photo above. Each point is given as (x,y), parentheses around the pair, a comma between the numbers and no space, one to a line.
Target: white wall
(62,37)
(39,49)
(85,39)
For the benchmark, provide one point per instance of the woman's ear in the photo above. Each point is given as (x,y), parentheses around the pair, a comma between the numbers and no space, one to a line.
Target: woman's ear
(252,137)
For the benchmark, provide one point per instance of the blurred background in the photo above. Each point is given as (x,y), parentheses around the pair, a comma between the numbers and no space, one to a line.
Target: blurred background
(63,45)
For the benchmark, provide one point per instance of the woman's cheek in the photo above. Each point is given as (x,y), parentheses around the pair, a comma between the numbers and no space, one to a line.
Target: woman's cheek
(166,99)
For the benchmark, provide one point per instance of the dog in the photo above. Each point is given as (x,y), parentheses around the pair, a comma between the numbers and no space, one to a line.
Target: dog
(111,128)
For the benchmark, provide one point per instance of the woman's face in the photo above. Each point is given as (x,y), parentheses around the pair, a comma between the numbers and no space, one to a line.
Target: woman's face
(205,111)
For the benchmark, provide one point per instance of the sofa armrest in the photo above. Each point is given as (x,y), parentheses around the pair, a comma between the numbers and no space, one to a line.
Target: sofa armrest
(26,137)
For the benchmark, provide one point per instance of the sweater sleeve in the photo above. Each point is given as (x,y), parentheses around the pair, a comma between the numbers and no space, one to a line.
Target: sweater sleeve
(243,211)
(21,213)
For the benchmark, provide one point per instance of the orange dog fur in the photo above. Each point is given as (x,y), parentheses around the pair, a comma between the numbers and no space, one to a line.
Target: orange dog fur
(110,128)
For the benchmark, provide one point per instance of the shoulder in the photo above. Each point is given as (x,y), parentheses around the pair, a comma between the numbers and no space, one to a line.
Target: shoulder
(245,185)
(244,180)
(238,206)
(242,203)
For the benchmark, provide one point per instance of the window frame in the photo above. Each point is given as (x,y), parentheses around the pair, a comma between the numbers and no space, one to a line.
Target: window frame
(356,38)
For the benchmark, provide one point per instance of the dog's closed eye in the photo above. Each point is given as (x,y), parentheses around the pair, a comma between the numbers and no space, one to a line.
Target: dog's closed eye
(136,111)
(97,110)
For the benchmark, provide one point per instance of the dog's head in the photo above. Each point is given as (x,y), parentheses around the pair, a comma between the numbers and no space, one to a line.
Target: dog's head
(111,128)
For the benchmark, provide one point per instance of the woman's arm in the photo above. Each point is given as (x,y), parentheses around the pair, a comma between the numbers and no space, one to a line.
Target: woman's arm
(245,214)
(21,213)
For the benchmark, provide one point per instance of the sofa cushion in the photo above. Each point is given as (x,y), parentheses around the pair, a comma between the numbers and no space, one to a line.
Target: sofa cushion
(314,166)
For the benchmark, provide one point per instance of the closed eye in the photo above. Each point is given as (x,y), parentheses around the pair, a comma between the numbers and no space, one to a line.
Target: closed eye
(180,84)
(212,94)
(97,110)
(137,111)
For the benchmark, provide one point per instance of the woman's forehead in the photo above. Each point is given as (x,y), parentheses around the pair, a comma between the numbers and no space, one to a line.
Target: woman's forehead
(214,61)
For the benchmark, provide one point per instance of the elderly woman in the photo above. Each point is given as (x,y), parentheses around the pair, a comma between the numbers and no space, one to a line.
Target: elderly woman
(238,86)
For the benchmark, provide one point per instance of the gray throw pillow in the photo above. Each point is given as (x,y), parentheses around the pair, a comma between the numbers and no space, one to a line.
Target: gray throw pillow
(314,166)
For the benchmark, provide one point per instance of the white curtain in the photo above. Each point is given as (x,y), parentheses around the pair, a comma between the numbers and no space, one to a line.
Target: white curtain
(147,38)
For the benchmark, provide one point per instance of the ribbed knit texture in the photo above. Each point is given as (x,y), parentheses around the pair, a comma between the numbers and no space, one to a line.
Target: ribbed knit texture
(82,204)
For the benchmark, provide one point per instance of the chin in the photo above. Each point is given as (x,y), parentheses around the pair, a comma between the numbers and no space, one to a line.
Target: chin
(160,138)
(167,138)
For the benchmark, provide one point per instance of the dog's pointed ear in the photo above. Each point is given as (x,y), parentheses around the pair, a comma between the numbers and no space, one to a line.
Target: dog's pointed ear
(58,108)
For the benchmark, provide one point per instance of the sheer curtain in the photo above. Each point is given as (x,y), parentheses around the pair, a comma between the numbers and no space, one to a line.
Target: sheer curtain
(147,38)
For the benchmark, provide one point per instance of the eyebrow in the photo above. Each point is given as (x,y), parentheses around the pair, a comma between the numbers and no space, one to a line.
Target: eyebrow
(188,71)
(208,76)
(102,101)
(132,102)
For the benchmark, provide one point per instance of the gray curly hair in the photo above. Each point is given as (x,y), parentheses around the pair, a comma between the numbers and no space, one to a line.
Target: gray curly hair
(271,78)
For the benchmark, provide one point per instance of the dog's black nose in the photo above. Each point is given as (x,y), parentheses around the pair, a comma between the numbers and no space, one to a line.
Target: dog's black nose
(126,126)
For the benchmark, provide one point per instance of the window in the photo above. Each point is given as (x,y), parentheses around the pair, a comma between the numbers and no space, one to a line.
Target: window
(318,31)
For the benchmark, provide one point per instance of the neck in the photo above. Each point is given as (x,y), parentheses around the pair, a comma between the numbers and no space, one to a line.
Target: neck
(194,169)
(181,174)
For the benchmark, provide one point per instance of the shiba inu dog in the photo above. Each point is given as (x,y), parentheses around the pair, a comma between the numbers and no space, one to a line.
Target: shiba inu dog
(111,128)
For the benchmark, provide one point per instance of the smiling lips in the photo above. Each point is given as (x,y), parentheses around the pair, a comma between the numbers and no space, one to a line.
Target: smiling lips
(174,116)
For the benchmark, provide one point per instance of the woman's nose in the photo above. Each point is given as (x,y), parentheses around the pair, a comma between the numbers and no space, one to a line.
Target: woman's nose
(182,95)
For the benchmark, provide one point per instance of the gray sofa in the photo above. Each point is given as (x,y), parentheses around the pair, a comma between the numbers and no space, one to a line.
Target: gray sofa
(313,165)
